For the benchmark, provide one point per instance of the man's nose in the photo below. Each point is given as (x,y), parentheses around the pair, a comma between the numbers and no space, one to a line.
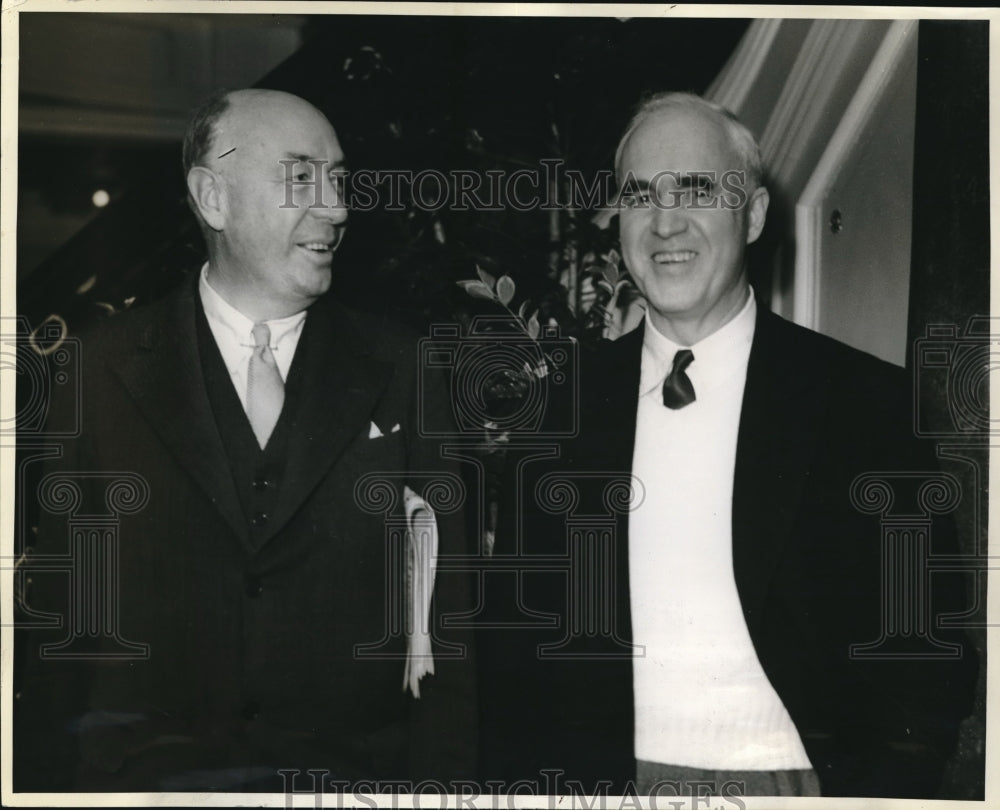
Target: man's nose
(331,205)
(669,217)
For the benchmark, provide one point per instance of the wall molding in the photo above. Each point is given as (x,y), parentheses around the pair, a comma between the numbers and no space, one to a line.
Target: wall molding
(741,72)
(809,215)
(804,107)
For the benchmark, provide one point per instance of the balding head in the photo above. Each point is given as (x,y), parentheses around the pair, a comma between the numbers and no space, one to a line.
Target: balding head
(691,204)
(740,138)
(223,114)
(264,171)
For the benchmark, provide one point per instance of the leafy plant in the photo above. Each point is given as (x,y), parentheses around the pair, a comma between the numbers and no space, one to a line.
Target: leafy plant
(589,320)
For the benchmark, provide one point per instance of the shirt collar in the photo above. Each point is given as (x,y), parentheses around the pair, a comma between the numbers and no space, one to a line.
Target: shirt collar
(238,324)
(716,357)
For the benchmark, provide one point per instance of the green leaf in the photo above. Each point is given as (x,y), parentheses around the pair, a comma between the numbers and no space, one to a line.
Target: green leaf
(477,290)
(523,309)
(485,277)
(505,289)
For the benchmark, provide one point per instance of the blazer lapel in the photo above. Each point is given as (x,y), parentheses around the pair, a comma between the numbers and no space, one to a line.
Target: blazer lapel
(610,393)
(609,398)
(784,395)
(164,377)
(341,385)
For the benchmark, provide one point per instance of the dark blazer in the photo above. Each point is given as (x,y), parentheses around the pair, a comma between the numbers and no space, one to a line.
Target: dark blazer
(807,563)
(251,625)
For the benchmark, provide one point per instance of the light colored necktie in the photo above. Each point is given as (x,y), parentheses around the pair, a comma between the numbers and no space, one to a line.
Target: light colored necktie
(265,388)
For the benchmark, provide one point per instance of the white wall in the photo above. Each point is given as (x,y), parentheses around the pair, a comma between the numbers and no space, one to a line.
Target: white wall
(833,104)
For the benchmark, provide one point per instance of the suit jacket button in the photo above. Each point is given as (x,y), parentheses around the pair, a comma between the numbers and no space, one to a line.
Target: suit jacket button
(254,587)
(251,710)
(260,483)
(258,520)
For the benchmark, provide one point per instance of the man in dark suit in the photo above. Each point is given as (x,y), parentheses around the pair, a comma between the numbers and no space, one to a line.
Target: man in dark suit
(727,629)
(250,450)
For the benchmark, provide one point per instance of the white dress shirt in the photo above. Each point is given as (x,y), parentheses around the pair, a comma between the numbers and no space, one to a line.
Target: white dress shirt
(233,333)
(702,699)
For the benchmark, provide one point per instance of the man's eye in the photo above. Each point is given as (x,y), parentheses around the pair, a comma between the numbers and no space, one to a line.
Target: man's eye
(635,199)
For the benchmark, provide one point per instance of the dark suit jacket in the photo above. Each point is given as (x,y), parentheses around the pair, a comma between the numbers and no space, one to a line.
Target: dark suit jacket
(252,663)
(807,563)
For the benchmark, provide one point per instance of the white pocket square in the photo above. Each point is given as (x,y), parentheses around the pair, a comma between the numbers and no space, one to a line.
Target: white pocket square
(375,433)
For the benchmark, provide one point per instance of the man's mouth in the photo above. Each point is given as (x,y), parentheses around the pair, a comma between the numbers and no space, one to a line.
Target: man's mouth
(317,247)
(673,256)
(321,247)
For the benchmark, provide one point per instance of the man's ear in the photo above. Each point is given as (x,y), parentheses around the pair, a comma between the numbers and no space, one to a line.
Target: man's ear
(756,213)
(205,187)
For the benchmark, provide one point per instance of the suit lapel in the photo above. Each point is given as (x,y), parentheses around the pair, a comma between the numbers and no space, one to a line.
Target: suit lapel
(341,384)
(611,397)
(164,376)
(785,393)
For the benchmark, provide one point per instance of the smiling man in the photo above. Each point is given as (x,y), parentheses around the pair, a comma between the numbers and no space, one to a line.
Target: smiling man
(257,585)
(269,189)
(683,238)
(741,574)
